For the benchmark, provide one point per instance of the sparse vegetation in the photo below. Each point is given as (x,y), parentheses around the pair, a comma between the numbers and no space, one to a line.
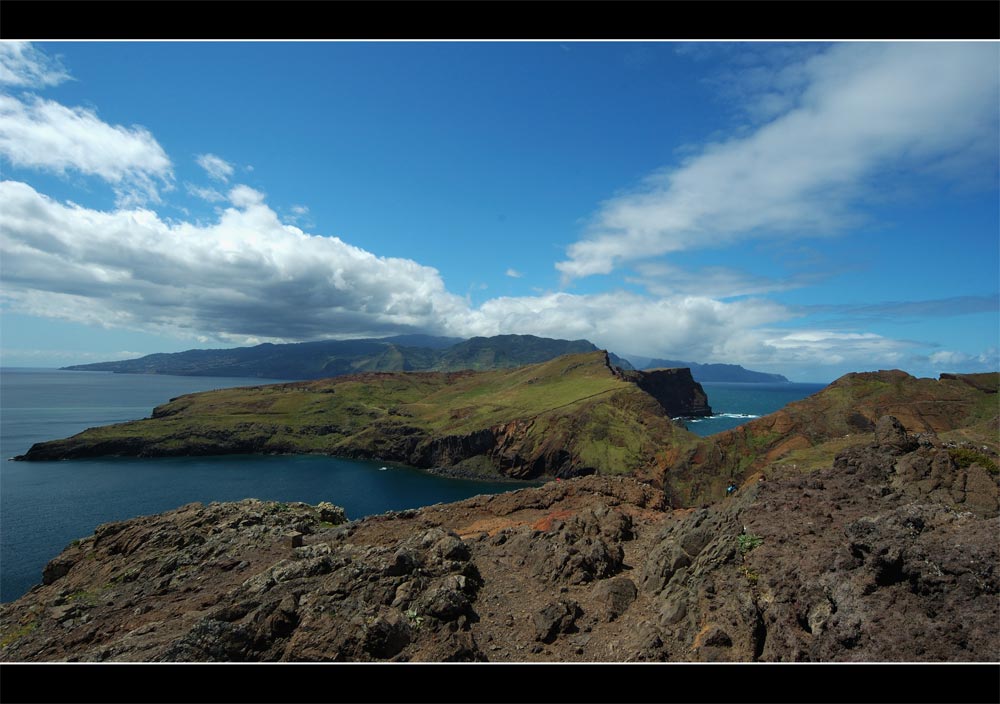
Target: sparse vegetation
(415,620)
(748,541)
(965,457)
(18,633)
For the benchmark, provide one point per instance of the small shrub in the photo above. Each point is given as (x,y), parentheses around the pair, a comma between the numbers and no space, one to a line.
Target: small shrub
(416,620)
(965,458)
(748,541)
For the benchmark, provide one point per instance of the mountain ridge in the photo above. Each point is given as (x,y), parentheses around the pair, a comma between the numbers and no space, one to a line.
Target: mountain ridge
(325,358)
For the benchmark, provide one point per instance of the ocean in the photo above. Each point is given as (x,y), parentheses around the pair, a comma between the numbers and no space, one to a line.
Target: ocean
(735,403)
(46,505)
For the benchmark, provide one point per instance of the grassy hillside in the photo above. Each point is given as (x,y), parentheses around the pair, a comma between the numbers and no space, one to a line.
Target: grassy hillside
(506,351)
(567,416)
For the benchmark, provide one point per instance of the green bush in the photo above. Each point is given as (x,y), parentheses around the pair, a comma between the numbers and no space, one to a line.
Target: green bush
(964,458)
(748,541)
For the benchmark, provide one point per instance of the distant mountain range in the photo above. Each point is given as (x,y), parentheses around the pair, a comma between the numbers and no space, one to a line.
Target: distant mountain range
(327,358)
(717,372)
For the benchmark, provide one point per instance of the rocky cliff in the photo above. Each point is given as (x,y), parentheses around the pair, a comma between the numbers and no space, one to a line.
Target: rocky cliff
(887,554)
(577,414)
(674,389)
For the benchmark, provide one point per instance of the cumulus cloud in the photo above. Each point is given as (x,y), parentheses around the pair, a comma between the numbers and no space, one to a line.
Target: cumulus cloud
(844,116)
(43,134)
(24,66)
(246,275)
(514,273)
(243,196)
(250,277)
(216,167)
(621,320)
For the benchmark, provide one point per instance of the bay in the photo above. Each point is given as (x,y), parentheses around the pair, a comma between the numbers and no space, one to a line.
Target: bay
(46,505)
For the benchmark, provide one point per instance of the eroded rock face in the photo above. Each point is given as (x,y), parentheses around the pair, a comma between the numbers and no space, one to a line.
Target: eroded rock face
(674,389)
(890,555)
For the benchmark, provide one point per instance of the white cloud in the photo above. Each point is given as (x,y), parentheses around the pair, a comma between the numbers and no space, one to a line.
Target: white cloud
(248,276)
(831,348)
(23,65)
(947,357)
(243,196)
(662,279)
(299,215)
(988,360)
(514,274)
(216,167)
(245,275)
(848,113)
(42,134)
(209,193)
(698,327)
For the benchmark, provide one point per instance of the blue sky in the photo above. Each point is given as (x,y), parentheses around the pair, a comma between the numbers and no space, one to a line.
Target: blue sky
(802,208)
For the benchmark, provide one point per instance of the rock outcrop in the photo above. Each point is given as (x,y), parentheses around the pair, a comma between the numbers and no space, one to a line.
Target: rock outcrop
(890,554)
(674,389)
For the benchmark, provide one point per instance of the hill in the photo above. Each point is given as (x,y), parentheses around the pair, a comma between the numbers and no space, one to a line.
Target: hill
(962,408)
(576,414)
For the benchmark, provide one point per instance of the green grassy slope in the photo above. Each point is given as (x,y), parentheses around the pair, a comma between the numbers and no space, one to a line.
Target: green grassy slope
(570,415)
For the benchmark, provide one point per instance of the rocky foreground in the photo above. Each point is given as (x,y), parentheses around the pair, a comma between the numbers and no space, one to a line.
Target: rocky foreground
(891,554)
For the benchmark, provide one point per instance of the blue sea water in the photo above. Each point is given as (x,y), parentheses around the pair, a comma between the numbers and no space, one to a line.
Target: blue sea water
(736,403)
(46,505)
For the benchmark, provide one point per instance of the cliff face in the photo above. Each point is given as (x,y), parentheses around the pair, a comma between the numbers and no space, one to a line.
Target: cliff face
(854,562)
(674,389)
(574,415)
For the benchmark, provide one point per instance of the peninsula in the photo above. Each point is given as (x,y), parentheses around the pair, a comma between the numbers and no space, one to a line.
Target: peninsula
(577,414)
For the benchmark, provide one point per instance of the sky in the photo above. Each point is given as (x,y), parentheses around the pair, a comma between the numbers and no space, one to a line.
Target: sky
(803,208)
